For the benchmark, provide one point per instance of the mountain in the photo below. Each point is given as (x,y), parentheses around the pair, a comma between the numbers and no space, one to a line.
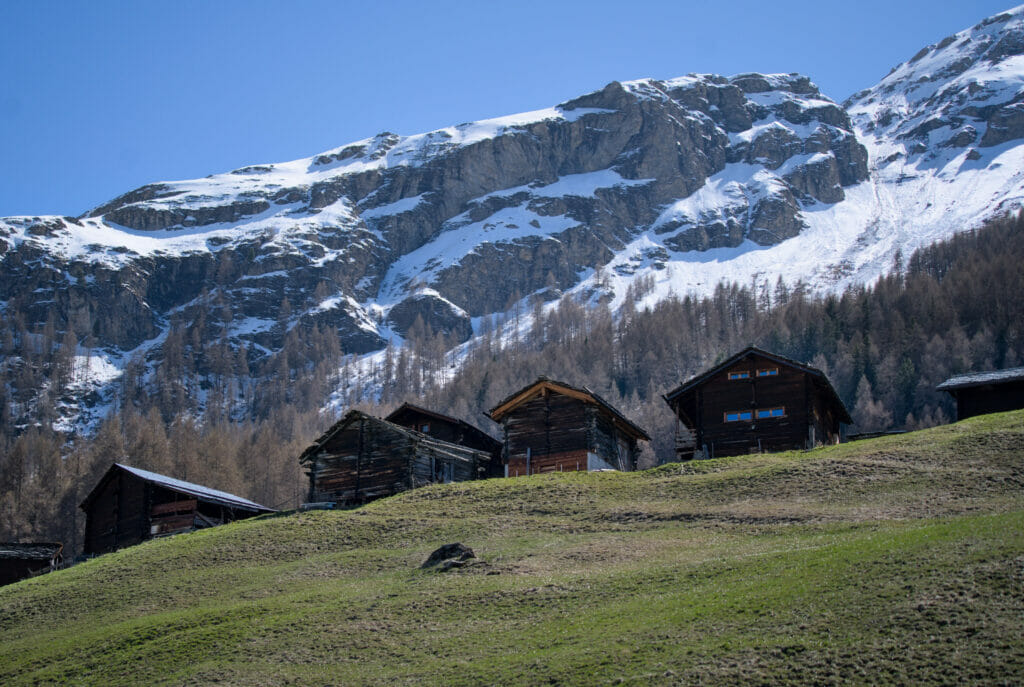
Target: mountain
(641,190)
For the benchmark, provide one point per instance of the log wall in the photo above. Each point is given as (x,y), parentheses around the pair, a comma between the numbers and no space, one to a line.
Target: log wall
(810,416)
(554,432)
(118,516)
(371,459)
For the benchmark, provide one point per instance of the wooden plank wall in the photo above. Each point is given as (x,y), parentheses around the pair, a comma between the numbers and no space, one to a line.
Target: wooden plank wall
(990,398)
(370,460)
(791,389)
(117,516)
(606,442)
(548,432)
(365,461)
(558,432)
(432,464)
(566,461)
(454,433)
(169,516)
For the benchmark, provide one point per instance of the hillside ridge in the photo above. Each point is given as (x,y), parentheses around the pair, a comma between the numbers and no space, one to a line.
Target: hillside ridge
(891,559)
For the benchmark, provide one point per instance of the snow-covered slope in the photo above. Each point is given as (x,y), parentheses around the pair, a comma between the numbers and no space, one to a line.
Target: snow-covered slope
(684,183)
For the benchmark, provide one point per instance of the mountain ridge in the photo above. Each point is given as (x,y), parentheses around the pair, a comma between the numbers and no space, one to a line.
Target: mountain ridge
(682,183)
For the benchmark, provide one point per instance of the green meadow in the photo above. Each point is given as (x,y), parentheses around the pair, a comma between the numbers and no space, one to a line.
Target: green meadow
(897,560)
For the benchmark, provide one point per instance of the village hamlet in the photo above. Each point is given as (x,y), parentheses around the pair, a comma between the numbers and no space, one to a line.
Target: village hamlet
(980,393)
(21,560)
(130,505)
(553,426)
(755,401)
(362,458)
(450,429)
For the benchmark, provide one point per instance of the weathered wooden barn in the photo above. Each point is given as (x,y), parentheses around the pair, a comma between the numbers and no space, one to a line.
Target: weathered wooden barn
(362,458)
(756,401)
(21,560)
(980,393)
(553,426)
(450,429)
(130,505)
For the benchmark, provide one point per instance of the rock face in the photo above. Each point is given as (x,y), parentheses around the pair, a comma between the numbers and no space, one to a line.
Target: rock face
(686,181)
(443,226)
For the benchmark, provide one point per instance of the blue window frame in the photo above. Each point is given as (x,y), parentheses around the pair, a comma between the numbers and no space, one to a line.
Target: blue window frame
(738,415)
(763,413)
(739,375)
(768,372)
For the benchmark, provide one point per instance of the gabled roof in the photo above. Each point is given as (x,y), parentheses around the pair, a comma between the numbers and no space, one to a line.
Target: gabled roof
(439,416)
(201,493)
(353,415)
(1012,374)
(581,393)
(35,551)
(817,374)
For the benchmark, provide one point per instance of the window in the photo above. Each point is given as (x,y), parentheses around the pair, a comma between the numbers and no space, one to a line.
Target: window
(424,428)
(763,413)
(769,372)
(738,415)
(739,375)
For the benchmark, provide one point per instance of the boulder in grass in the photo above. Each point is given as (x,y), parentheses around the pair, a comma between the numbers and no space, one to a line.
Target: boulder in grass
(449,556)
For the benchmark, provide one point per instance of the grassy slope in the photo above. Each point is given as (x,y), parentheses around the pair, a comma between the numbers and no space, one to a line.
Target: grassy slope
(893,560)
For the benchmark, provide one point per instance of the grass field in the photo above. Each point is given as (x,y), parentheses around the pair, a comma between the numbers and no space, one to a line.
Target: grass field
(893,560)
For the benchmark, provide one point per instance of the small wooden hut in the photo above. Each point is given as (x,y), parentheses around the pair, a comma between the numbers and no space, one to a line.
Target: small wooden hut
(362,458)
(130,505)
(450,429)
(553,426)
(756,401)
(980,393)
(21,560)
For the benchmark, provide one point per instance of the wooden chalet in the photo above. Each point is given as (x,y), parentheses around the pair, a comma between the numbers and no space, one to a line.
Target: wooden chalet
(21,560)
(130,505)
(756,401)
(362,458)
(553,426)
(450,429)
(980,393)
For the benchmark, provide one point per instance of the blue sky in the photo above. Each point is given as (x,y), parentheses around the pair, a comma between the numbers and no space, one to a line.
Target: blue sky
(98,98)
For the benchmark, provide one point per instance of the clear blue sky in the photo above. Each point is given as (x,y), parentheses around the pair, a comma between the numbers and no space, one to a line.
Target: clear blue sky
(98,98)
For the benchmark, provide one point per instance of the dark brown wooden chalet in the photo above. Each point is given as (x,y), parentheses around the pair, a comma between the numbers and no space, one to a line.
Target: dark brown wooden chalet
(757,401)
(362,458)
(980,393)
(552,426)
(130,505)
(450,429)
(21,560)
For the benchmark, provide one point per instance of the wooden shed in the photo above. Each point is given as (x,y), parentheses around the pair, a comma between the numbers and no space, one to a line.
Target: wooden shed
(553,426)
(980,393)
(362,458)
(756,401)
(130,505)
(21,560)
(450,429)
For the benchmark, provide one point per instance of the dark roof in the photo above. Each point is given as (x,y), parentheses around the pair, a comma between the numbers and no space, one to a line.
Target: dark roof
(440,416)
(221,498)
(820,376)
(36,551)
(1012,374)
(419,437)
(585,394)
